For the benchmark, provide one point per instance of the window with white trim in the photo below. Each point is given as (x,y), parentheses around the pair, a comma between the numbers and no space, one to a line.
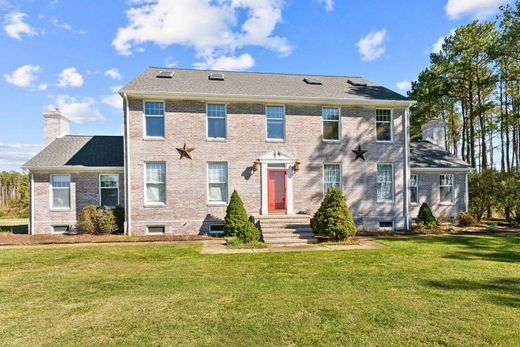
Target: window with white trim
(331,177)
(216,114)
(384,125)
(155,180)
(109,190)
(414,188)
(60,185)
(154,118)
(217,182)
(331,126)
(155,230)
(386,225)
(385,182)
(60,229)
(275,118)
(446,188)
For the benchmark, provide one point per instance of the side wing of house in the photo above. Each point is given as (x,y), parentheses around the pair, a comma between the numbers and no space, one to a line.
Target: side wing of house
(71,173)
(438,179)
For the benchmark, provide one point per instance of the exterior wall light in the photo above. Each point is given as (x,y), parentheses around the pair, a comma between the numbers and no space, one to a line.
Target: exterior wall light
(296,166)
(256,165)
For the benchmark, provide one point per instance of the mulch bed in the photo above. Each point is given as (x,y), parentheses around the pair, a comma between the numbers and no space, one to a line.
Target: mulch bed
(9,239)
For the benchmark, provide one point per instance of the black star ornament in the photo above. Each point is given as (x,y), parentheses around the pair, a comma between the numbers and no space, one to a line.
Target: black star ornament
(360,153)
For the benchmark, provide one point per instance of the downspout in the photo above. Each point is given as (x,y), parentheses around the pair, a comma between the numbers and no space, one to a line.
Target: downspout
(407,168)
(128,206)
(31,219)
(466,193)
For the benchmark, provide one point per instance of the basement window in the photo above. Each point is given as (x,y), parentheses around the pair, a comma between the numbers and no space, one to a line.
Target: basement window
(60,229)
(386,225)
(155,230)
(216,230)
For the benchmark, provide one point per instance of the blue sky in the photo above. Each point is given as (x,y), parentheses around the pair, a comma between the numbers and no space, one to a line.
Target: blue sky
(74,54)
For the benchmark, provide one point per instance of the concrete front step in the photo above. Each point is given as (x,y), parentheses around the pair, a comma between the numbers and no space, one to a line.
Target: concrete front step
(281,216)
(286,229)
(291,240)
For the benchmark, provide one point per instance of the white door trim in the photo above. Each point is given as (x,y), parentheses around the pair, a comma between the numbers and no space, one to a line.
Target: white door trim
(276,157)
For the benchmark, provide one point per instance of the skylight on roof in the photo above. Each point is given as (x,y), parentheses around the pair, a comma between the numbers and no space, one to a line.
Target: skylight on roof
(357,83)
(165,74)
(311,80)
(216,76)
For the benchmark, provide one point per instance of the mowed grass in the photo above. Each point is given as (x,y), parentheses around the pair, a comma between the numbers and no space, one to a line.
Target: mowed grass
(454,291)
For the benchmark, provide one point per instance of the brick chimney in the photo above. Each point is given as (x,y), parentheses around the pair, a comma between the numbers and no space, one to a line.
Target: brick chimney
(434,131)
(55,125)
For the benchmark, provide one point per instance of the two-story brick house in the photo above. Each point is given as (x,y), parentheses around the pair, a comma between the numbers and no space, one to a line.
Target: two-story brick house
(193,136)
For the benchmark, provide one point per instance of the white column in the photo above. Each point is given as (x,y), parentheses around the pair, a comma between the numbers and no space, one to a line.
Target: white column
(263,178)
(289,189)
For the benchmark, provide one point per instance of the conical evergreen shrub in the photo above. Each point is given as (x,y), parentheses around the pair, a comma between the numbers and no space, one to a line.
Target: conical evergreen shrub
(425,216)
(333,218)
(236,216)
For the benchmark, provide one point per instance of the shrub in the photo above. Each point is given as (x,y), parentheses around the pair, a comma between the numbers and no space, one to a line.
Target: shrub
(483,190)
(492,227)
(236,216)
(333,218)
(119,214)
(105,221)
(87,219)
(425,217)
(466,219)
(249,233)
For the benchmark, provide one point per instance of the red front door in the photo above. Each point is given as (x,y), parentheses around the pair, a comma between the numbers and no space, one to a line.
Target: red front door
(276,190)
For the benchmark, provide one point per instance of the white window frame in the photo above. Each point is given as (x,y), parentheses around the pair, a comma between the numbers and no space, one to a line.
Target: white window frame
(393,184)
(145,136)
(60,226)
(386,228)
(100,188)
(225,122)
(155,204)
(416,187)
(323,139)
(391,124)
(267,138)
(340,177)
(452,189)
(217,203)
(155,226)
(52,193)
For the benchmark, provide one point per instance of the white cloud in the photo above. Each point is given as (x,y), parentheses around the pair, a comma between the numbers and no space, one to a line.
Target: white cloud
(43,86)
(404,85)
(371,46)
(329,4)
(170,62)
(437,46)
(24,76)
(476,8)
(243,62)
(78,110)
(70,77)
(19,145)
(113,74)
(232,24)
(15,26)
(114,100)
(54,21)
(15,159)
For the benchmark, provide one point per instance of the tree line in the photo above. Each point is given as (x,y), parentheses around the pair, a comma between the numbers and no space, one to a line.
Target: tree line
(473,84)
(14,192)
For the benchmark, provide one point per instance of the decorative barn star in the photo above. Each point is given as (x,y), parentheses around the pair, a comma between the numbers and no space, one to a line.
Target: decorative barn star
(185,151)
(360,153)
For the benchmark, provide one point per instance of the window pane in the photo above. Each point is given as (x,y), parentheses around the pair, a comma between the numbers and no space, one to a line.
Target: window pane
(60,181)
(384,131)
(109,181)
(413,195)
(330,113)
(61,198)
(446,194)
(217,182)
(217,110)
(155,182)
(385,183)
(216,128)
(155,126)
(331,130)
(274,112)
(109,197)
(275,129)
(154,108)
(155,172)
(156,192)
(383,115)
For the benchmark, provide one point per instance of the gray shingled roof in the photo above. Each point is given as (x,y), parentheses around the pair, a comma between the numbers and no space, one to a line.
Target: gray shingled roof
(259,85)
(426,155)
(82,151)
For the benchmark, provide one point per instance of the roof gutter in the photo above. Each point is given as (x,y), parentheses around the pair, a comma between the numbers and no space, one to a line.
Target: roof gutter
(74,168)
(269,98)
(442,169)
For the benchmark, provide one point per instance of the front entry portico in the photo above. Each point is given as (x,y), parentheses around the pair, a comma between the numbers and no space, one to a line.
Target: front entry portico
(276,177)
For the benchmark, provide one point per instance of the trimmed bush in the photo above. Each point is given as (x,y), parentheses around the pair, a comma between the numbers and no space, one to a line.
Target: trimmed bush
(119,214)
(425,217)
(249,233)
(466,219)
(333,218)
(236,216)
(105,221)
(87,219)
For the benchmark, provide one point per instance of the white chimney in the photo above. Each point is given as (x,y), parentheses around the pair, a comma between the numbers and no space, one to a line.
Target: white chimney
(434,131)
(55,125)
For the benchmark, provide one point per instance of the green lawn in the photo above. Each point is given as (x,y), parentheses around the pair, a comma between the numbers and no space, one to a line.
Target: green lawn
(455,291)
